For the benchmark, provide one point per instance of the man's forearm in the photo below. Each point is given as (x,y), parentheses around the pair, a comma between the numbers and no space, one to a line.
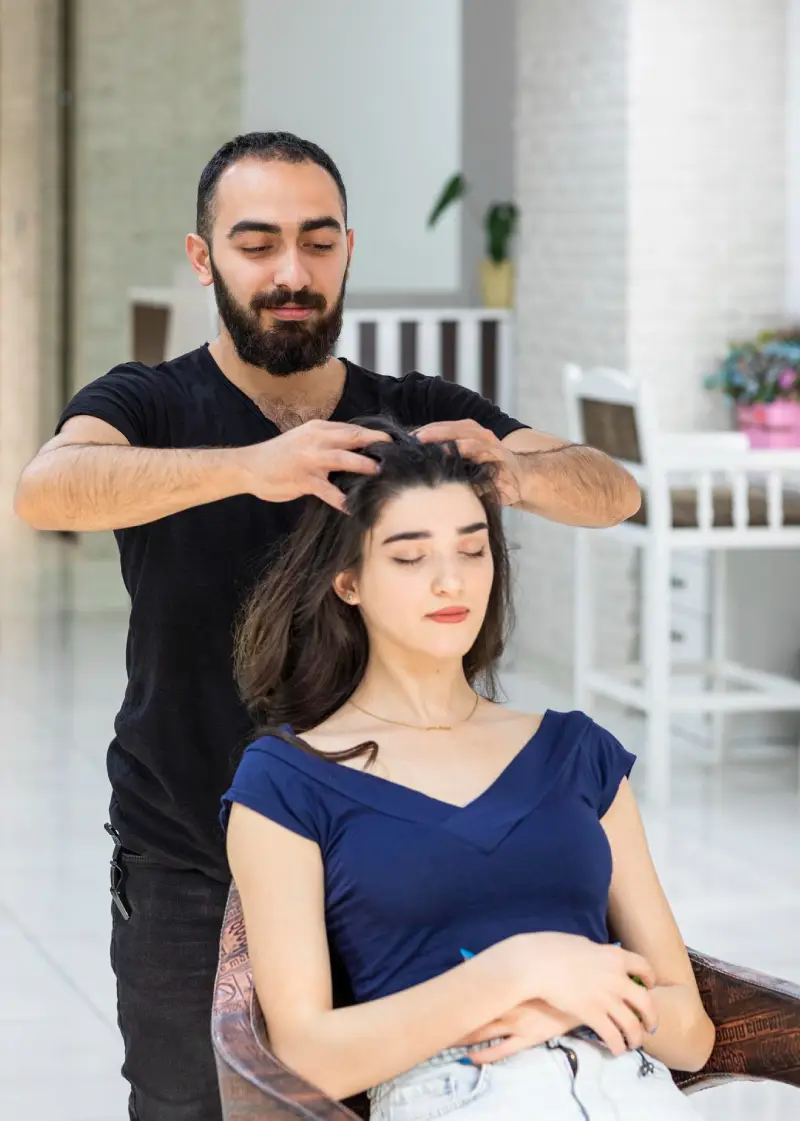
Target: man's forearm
(577,486)
(89,487)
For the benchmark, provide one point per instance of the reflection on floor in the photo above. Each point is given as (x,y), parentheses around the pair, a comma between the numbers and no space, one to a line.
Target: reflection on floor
(727,850)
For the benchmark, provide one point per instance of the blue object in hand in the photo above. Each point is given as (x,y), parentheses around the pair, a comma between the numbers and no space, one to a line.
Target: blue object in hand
(466,955)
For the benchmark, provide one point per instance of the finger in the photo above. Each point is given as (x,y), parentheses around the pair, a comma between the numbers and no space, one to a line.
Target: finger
(338,460)
(442,430)
(629,1024)
(479,451)
(641,1001)
(349,435)
(608,1031)
(329,493)
(358,437)
(503,1050)
(637,966)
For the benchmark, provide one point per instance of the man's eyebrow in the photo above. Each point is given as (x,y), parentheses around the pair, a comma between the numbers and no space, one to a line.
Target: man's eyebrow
(328,222)
(252,226)
(424,535)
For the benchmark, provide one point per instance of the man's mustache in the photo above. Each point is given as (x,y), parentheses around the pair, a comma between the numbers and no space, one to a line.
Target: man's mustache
(283,296)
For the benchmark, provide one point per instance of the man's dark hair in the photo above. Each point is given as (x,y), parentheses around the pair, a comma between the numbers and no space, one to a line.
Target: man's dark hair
(283,146)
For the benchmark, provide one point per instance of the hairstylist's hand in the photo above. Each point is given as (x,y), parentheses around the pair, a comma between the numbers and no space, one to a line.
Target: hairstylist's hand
(480,444)
(527,1025)
(298,462)
(590,983)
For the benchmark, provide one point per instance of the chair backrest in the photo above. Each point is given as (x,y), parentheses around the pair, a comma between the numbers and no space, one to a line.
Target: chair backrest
(611,411)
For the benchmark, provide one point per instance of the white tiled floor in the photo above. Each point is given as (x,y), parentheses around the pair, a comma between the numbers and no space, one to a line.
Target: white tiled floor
(728,850)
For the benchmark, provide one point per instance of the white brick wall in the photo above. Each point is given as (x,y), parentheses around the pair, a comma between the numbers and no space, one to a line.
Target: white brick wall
(159,89)
(650,142)
(571,168)
(707,240)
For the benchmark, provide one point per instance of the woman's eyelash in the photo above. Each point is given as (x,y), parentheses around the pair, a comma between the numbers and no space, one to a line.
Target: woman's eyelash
(416,560)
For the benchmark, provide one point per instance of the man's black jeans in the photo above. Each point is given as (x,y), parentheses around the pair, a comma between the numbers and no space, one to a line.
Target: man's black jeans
(164,957)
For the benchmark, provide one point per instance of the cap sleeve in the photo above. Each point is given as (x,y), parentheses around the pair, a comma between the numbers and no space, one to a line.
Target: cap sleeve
(128,399)
(608,763)
(263,782)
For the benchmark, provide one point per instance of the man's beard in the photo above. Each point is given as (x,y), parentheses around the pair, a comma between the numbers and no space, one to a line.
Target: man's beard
(287,348)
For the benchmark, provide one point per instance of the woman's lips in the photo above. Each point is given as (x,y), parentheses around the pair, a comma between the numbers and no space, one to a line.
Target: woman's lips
(449,615)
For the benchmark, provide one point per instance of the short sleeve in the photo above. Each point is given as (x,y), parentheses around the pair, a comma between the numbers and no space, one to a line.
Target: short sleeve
(128,399)
(608,763)
(426,400)
(266,784)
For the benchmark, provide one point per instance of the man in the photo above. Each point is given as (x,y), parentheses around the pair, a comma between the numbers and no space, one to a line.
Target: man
(198,466)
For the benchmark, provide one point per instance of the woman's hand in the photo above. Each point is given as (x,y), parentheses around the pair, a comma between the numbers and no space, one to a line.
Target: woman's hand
(591,984)
(527,1025)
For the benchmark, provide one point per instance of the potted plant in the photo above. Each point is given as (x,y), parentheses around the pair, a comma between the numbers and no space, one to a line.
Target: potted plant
(500,224)
(761,376)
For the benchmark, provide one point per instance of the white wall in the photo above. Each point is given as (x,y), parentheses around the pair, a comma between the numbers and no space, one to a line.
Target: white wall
(487,128)
(793,158)
(157,91)
(378,86)
(653,231)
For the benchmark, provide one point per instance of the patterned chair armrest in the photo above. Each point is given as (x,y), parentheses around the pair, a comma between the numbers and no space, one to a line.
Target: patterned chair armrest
(757,1019)
(253,1085)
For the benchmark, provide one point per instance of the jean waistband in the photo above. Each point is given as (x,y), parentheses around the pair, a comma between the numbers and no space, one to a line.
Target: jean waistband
(448,1055)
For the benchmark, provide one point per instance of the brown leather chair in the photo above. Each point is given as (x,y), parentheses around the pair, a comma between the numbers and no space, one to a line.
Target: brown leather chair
(757,1019)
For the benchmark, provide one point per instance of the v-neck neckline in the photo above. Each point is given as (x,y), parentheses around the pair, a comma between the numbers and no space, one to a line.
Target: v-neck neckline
(451,807)
(253,407)
(483,822)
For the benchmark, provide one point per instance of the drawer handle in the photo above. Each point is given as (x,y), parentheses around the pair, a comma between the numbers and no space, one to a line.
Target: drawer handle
(678,582)
(677,636)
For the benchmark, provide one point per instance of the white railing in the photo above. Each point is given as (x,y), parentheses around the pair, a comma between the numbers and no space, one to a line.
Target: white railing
(742,481)
(471,346)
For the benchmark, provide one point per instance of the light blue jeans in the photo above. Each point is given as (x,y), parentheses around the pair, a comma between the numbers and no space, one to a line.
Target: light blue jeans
(567,1079)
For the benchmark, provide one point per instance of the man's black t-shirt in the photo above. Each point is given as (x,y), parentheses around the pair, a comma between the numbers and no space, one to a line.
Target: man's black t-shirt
(182,725)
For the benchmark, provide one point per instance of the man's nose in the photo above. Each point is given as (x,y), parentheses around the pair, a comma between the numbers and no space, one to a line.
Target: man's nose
(291,272)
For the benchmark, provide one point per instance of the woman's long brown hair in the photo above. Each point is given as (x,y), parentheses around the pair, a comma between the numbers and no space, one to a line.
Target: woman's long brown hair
(301,652)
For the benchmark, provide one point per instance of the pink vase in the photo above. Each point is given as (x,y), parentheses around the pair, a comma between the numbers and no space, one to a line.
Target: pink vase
(770,426)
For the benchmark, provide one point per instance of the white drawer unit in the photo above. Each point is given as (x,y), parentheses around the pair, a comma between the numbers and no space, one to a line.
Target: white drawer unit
(690,582)
(689,635)
(690,631)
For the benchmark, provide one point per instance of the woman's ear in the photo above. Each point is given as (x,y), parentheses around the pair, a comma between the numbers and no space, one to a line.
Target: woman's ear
(345,587)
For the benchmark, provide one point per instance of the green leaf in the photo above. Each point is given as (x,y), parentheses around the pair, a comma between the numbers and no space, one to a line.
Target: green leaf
(501,225)
(454,189)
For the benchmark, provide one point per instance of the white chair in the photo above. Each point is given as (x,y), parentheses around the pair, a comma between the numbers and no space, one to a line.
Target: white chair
(701,491)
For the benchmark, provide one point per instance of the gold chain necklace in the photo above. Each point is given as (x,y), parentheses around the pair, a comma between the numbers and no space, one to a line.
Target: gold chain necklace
(418,727)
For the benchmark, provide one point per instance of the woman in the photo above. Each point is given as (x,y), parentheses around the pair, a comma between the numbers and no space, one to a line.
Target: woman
(454,856)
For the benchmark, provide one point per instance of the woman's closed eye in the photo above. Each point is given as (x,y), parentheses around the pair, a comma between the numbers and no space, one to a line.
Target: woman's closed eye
(462,552)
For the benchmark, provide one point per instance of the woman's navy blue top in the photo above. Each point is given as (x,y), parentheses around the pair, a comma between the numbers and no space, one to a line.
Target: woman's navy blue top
(411,880)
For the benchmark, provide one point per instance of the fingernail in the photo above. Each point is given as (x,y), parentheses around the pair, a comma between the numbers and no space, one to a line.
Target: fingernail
(466,1062)
(466,954)
(654,1030)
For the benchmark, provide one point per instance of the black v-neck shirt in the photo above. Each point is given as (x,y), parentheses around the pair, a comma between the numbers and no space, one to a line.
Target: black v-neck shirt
(182,727)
